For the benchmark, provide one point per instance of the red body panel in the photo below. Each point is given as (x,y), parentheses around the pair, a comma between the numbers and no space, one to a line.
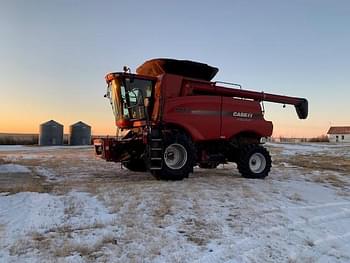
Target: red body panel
(198,115)
(171,85)
(209,117)
(213,117)
(232,123)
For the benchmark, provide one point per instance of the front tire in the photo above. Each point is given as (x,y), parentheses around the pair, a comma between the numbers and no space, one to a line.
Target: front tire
(178,158)
(254,162)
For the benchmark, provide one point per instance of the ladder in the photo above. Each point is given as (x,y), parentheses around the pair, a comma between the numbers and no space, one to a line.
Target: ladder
(155,150)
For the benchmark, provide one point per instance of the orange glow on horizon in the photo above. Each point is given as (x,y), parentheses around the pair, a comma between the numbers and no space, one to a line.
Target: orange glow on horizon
(99,127)
(100,117)
(15,124)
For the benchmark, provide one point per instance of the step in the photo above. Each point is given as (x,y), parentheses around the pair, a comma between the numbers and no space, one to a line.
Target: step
(155,168)
(156,149)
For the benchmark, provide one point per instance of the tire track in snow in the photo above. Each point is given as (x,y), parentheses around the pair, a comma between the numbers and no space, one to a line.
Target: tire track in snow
(332,238)
(317,206)
(314,221)
(321,241)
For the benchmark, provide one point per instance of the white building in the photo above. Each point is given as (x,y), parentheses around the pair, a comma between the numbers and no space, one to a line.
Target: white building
(339,134)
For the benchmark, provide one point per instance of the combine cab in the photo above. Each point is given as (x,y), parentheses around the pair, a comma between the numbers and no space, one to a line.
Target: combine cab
(171,117)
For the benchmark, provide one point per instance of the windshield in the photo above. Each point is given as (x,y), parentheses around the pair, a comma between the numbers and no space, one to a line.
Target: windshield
(127,97)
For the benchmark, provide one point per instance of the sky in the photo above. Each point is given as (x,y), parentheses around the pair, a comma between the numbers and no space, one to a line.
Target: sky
(54,55)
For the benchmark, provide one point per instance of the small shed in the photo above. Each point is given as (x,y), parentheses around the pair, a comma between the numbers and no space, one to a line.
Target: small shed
(51,133)
(79,134)
(339,134)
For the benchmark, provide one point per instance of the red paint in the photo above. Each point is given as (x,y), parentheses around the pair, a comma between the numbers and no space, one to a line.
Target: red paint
(210,117)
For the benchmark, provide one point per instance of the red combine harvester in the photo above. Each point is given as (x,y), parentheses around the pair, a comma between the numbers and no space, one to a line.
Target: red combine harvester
(171,117)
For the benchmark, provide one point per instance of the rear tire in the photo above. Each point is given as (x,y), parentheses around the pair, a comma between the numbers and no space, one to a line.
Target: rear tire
(178,158)
(254,161)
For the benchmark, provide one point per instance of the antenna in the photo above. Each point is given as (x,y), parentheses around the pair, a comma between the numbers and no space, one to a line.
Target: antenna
(126,69)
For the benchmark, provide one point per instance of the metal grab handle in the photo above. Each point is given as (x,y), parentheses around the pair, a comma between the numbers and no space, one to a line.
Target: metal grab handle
(229,83)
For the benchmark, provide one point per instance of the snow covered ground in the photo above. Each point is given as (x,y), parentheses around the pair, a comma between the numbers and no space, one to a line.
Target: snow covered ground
(62,204)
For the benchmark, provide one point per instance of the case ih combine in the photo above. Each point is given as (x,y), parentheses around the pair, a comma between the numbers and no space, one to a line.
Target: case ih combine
(171,117)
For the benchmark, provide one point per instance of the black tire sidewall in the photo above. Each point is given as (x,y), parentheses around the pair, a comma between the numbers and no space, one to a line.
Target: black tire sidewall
(171,174)
(246,154)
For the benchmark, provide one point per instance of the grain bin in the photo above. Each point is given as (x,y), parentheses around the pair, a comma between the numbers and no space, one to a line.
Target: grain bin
(51,133)
(79,134)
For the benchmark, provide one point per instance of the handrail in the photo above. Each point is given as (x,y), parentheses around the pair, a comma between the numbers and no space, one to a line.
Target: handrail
(229,83)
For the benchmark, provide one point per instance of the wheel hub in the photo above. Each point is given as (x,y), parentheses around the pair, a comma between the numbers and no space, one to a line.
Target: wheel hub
(257,163)
(175,156)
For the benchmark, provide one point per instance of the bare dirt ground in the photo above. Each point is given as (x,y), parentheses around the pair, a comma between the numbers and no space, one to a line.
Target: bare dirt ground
(61,204)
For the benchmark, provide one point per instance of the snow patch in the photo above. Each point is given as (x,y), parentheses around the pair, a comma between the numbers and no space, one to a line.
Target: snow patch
(11,148)
(289,149)
(48,173)
(13,168)
(212,216)
(25,214)
(27,211)
(16,148)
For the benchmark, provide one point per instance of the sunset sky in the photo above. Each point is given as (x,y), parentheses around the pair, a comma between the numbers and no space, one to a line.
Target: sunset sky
(54,55)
